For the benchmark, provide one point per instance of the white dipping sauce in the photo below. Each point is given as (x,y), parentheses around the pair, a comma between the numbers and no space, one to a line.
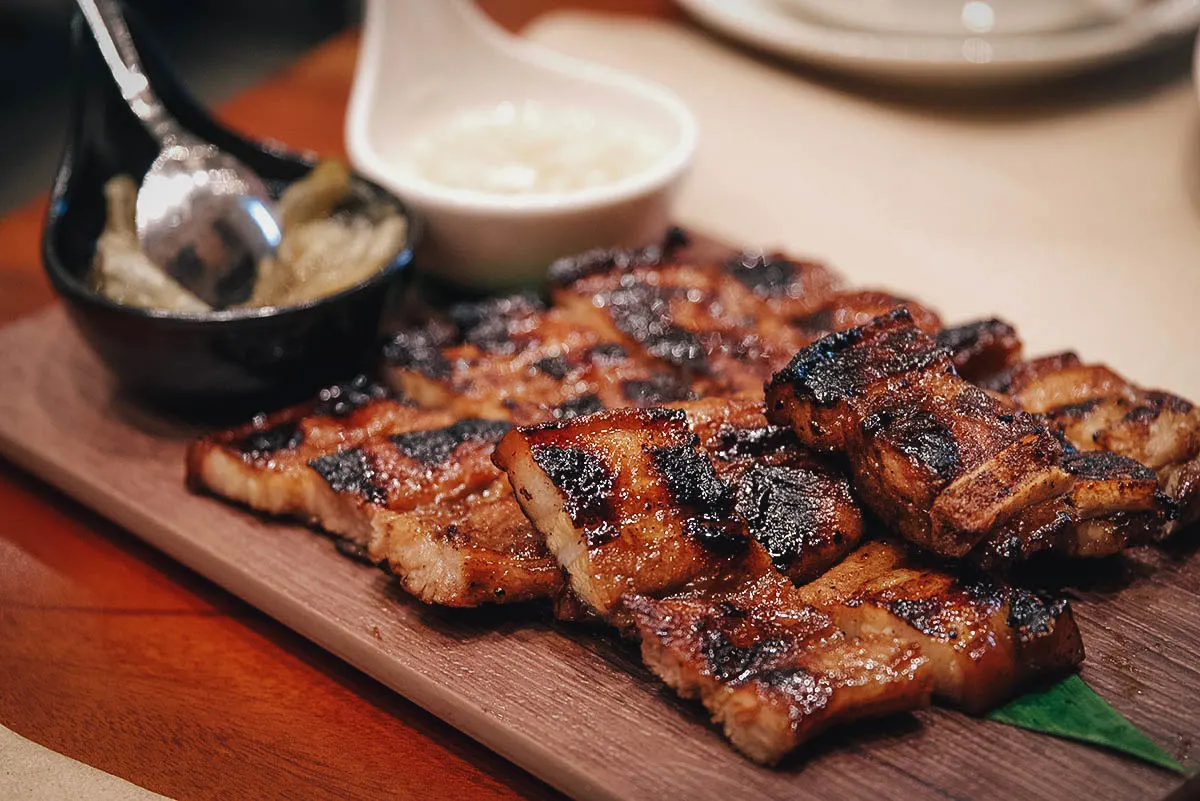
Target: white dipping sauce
(531,149)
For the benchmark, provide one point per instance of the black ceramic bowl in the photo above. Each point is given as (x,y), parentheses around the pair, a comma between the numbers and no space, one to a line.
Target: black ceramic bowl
(216,360)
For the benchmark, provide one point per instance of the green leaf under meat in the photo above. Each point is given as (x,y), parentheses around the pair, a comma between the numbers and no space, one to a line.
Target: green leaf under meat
(1073,710)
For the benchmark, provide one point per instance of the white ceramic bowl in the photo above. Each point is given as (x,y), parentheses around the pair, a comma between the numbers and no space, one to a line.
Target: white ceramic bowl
(421,63)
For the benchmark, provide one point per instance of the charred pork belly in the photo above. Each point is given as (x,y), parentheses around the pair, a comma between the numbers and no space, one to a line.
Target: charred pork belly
(1113,502)
(984,640)
(937,458)
(981,349)
(533,366)
(773,671)
(793,288)
(844,310)
(406,486)
(1095,409)
(476,549)
(794,502)
(691,317)
(633,508)
(264,464)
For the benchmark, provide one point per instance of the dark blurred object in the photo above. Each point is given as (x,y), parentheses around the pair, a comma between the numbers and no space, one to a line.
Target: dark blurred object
(221,361)
(219,46)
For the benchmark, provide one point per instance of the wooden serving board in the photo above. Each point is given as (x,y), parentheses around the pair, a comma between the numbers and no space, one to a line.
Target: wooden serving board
(574,708)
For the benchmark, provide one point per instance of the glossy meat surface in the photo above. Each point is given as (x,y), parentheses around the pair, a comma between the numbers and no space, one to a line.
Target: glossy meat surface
(691,317)
(935,457)
(409,487)
(533,365)
(1097,410)
(796,503)
(985,640)
(646,528)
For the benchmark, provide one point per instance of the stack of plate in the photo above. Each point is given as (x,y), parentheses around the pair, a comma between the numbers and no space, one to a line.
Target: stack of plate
(951,41)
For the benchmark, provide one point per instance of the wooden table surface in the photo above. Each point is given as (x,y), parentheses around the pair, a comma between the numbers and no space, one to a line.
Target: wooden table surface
(116,656)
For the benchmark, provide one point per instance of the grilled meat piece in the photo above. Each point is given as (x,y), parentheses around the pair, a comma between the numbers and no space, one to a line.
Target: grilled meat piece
(937,458)
(792,288)
(773,671)
(627,500)
(646,529)
(607,260)
(1114,502)
(406,485)
(844,310)
(797,504)
(1095,409)
(264,464)
(473,550)
(545,366)
(691,317)
(985,640)
(981,349)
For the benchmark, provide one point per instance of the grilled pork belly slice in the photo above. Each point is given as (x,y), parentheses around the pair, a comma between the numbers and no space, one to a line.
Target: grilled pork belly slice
(645,527)
(792,288)
(844,310)
(795,503)
(432,506)
(399,484)
(542,365)
(474,550)
(937,458)
(773,671)
(1114,502)
(691,317)
(984,640)
(264,464)
(981,349)
(627,501)
(1095,409)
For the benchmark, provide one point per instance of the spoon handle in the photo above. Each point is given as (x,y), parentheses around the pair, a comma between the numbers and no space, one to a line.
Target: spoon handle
(108,26)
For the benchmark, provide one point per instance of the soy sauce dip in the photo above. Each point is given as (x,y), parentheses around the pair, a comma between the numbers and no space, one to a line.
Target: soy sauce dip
(529,149)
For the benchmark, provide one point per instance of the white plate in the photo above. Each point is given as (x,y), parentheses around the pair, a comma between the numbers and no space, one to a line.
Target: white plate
(830,33)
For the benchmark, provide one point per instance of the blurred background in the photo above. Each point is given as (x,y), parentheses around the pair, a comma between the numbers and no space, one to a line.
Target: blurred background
(220,46)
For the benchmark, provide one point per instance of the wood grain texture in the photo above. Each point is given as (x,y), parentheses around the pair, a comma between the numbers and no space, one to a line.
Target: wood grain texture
(578,710)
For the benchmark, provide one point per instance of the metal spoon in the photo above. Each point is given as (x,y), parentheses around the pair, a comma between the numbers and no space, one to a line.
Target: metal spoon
(202,216)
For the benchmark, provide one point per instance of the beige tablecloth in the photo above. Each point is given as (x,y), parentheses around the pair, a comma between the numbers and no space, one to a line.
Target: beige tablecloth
(29,772)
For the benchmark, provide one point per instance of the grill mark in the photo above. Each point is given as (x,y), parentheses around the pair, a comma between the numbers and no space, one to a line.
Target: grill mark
(603,260)
(659,388)
(585,480)
(692,480)
(417,350)
(1106,465)
(557,367)
(1032,615)
(694,484)
(643,312)
(919,435)
(341,400)
(763,275)
(608,353)
(350,471)
(833,368)
(578,407)
(260,444)
(436,445)
(924,615)
(783,509)
(754,442)
(734,664)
